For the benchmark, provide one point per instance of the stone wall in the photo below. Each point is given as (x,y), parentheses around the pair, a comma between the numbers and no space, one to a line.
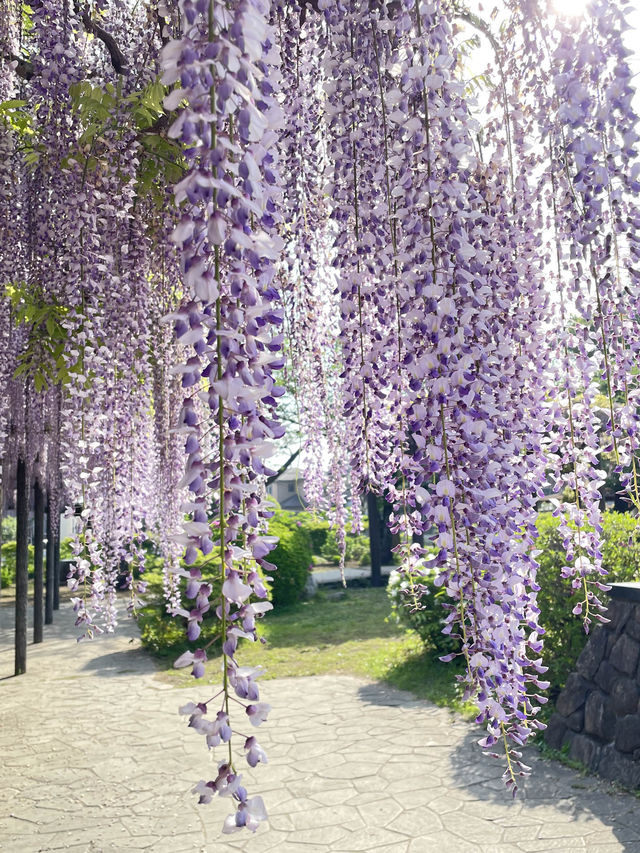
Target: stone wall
(598,712)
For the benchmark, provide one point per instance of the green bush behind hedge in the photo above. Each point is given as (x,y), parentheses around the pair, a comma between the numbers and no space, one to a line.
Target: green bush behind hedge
(356,548)
(316,527)
(324,541)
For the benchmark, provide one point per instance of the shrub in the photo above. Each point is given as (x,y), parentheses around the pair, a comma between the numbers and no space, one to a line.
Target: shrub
(565,637)
(356,548)
(317,529)
(292,556)
(65,549)
(8,571)
(428,621)
(323,540)
(8,528)
(165,634)
(159,631)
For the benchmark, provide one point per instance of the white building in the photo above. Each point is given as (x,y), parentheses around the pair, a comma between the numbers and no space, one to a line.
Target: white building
(288,490)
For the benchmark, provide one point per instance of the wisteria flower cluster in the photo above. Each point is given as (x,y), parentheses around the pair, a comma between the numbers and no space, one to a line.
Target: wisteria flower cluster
(229,323)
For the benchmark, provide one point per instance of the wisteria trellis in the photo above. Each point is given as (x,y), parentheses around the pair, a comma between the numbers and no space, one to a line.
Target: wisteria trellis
(196,193)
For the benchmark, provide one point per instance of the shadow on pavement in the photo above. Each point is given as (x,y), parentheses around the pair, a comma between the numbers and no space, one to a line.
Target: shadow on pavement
(384,695)
(551,785)
(128,662)
(553,796)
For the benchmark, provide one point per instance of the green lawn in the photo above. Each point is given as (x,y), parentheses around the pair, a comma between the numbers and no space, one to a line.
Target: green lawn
(349,635)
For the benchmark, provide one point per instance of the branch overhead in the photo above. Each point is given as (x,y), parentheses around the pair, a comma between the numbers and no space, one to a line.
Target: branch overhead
(118,59)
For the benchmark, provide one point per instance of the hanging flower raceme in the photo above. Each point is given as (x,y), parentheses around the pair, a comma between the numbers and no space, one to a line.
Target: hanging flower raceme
(13,214)
(225,65)
(165,516)
(581,99)
(455,288)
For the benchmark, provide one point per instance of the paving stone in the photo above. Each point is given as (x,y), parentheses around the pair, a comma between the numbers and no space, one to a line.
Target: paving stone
(326,835)
(613,848)
(513,834)
(380,813)
(548,844)
(575,829)
(372,839)
(444,804)
(497,848)
(331,798)
(442,842)
(472,829)
(416,822)
(107,764)
(607,836)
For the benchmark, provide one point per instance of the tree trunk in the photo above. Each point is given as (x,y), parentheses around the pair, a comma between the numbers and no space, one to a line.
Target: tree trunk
(375,540)
(38,555)
(387,539)
(56,571)
(22,567)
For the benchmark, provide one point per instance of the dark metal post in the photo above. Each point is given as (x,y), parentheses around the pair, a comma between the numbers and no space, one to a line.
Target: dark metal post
(49,575)
(56,571)
(38,562)
(22,567)
(375,540)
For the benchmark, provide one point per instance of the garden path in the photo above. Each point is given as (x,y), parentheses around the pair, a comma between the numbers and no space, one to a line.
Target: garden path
(333,575)
(95,758)
(322,576)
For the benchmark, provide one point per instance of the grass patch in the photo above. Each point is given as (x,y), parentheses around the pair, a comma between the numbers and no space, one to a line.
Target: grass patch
(349,635)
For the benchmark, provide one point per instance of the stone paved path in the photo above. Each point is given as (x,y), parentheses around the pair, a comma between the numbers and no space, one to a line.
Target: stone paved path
(93,757)
(322,576)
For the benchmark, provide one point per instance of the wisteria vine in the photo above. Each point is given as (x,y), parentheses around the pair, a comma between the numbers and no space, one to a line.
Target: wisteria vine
(200,194)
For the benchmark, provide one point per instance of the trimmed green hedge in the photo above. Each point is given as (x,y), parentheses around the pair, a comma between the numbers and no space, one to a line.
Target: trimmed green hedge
(323,541)
(317,529)
(8,569)
(292,556)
